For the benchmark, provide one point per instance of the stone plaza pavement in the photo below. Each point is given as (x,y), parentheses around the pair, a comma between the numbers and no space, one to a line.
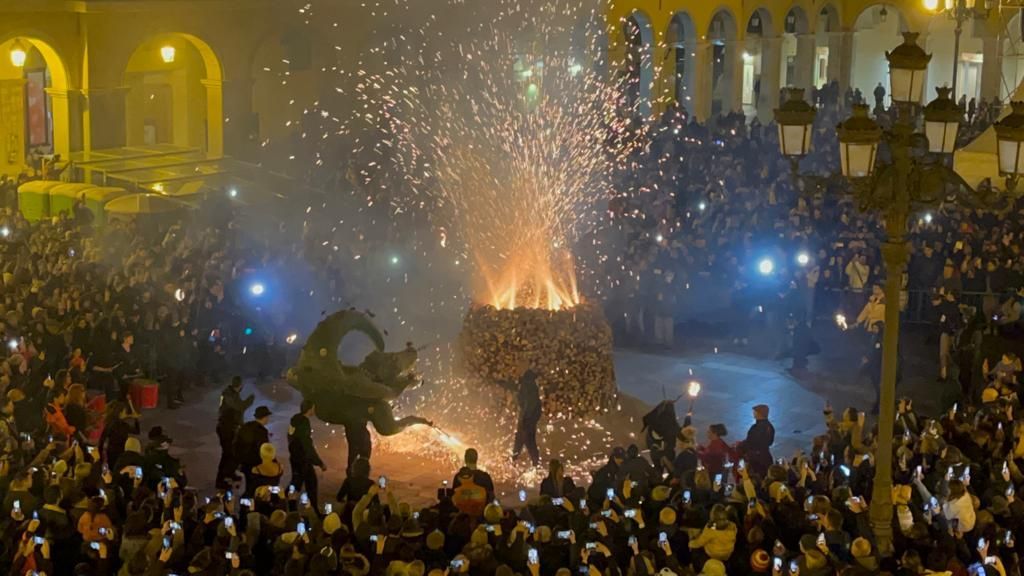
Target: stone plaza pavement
(731,385)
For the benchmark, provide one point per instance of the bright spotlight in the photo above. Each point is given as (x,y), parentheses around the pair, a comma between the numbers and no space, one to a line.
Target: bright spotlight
(257,289)
(928,217)
(233,192)
(803,259)
(179,295)
(291,338)
(394,260)
(766,266)
(12,344)
(659,238)
(702,206)
(5,231)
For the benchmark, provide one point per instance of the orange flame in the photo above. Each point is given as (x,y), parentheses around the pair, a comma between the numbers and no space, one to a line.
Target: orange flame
(531,280)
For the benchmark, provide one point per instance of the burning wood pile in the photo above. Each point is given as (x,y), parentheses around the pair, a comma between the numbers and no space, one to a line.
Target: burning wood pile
(570,349)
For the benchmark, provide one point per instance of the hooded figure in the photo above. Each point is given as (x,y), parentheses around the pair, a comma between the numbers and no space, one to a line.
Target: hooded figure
(660,428)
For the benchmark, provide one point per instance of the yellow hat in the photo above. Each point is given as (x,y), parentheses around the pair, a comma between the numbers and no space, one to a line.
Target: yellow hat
(989,395)
(667,516)
(901,494)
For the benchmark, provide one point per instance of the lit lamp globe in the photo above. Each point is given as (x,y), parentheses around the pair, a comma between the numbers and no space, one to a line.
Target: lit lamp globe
(167,54)
(858,143)
(942,122)
(908,66)
(796,123)
(18,54)
(1010,136)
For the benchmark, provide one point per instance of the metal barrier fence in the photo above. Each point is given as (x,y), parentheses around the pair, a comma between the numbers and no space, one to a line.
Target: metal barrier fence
(916,305)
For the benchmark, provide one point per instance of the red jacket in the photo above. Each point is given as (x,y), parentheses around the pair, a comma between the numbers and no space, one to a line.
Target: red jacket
(713,456)
(56,421)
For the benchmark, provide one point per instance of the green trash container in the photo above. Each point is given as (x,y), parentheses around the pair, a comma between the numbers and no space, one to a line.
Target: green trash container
(63,197)
(34,198)
(96,199)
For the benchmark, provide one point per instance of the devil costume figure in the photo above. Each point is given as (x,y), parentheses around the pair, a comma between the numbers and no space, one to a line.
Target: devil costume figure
(354,396)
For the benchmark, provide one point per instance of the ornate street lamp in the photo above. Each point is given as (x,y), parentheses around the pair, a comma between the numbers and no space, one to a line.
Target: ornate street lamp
(1010,136)
(796,123)
(942,122)
(858,143)
(908,65)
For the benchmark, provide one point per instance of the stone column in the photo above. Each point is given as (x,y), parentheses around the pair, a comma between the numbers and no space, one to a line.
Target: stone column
(701,104)
(240,128)
(804,68)
(62,127)
(771,62)
(991,68)
(840,59)
(103,119)
(214,118)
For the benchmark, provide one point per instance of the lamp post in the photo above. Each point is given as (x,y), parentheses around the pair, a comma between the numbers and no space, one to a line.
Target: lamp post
(914,176)
(959,11)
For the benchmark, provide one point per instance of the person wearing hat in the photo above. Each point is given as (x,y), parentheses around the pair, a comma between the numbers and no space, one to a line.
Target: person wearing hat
(862,554)
(302,452)
(251,436)
(760,562)
(159,462)
(604,477)
(229,419)
(756,448)
(812,562)
(433,554)
(713,567)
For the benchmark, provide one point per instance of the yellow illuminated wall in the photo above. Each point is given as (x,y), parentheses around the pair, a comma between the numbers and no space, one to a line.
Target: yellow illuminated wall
(231,89)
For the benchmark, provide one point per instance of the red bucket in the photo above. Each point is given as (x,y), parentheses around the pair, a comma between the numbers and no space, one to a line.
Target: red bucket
(145,394)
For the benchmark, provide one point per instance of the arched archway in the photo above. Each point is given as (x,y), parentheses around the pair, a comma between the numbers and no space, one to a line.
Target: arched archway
(825,29)
(877,29)
(795,66)
(681,38)
(639,40)
(1012,51)
(944,65)
(34,87)
(175,94)
(722,36)
(756,61)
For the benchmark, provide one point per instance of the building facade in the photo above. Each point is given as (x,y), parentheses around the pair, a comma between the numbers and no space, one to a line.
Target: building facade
(234,77)
(78,76)
(735,55)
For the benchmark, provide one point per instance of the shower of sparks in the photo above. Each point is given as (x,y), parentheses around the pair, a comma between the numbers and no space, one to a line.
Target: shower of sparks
(498,124)
(508,142)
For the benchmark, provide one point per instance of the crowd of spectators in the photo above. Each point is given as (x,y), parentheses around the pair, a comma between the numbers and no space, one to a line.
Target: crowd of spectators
(87,309)
(712,203)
